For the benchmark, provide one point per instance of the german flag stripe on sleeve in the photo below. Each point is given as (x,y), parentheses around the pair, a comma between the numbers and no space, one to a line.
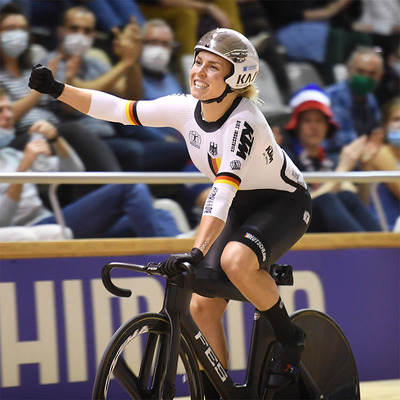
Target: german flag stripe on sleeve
(130,112)
(229,179)
(214,164)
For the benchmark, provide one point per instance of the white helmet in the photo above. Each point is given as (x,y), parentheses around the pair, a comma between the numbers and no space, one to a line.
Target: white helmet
(235,48)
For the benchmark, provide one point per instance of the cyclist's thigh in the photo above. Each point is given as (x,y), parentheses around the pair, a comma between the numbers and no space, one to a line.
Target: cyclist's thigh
(273,228)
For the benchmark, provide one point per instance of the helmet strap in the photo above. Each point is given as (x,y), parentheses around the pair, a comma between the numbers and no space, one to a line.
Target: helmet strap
(219,98)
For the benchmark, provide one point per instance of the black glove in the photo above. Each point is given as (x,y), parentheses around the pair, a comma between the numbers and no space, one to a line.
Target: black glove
(42,80)
(171,266)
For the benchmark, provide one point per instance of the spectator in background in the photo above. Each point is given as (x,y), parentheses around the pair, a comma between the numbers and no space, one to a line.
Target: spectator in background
(388,159)
(316,31)
(136,148)
(157,49)
(389,87)
(111,211)
(353,103)
(258,29)
(112,14)
(43,16)
(77,67)
(29,106)
(336,205)
(156,149)
(184,17)
(381,20)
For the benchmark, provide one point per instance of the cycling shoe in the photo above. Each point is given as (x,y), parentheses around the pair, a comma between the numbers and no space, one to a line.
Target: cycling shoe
(284,365)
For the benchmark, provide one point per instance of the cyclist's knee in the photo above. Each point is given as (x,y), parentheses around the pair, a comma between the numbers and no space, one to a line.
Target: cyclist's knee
(237,259)
(203,308)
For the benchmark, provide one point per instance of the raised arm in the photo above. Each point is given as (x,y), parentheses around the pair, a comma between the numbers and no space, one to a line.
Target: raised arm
(94,103)
(42,81)
(75,97)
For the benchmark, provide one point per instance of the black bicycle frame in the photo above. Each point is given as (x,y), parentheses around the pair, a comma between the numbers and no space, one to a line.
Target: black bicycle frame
(177,307)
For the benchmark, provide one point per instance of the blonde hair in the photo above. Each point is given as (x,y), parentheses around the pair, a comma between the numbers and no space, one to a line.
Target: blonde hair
(251,92)
(388,108)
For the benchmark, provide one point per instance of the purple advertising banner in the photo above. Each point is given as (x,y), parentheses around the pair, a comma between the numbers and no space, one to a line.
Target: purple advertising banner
(56,317)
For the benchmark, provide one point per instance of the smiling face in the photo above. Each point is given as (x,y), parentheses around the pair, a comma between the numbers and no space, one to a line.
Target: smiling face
(207,76)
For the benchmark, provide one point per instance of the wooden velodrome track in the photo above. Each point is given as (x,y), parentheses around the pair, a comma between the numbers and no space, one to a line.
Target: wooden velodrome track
(378,390)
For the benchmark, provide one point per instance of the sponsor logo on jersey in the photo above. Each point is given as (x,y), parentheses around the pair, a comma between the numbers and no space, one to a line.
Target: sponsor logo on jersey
(213,149)
(208,206)
(195,139)
(246,141)
(258,243)
(269,154)
(235,165)
(235,135)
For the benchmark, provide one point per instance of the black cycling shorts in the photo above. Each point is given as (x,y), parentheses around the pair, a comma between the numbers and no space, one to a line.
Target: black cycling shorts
(270,229)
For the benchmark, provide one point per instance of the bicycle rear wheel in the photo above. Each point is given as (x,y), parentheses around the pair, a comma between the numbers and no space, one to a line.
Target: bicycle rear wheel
(136,358)
(328,369)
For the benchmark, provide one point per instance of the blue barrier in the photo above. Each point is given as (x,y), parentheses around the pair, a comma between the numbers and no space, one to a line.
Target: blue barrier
(56,317)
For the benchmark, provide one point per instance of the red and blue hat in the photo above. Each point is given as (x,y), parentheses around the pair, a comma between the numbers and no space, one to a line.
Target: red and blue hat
(310,97)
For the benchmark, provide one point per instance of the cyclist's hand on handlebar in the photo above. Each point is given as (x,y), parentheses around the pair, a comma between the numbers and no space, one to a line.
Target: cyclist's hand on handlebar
(171,266)
(42,80)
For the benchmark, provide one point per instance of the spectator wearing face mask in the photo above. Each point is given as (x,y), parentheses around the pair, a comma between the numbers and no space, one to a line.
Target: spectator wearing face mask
(148,148)
(388,159)
(353,103)
(75,66)
(16,57)
(111,211)
(157,49)
(189,18)
(336,205)
(158,80)
(136,149)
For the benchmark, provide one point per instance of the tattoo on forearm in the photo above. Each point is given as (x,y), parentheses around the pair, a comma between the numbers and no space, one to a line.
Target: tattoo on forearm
(203,246)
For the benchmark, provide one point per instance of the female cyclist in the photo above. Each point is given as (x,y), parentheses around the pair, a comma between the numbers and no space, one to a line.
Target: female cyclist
(242,232)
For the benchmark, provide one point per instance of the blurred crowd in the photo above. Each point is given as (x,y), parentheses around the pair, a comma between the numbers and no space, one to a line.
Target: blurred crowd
(329,78)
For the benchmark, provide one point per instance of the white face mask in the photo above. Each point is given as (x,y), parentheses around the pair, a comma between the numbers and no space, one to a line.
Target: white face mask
(155,58)
(77,43)
(14,42)
(6,136)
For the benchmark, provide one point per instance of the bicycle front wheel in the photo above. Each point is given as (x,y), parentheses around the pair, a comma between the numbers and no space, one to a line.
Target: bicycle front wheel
(328,369)
(134,363)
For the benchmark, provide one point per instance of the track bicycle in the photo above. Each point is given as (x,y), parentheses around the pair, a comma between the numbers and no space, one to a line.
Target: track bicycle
(141,359)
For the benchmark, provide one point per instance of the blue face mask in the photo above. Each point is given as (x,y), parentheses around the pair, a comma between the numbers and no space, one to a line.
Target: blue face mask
(6,136)
(393,137)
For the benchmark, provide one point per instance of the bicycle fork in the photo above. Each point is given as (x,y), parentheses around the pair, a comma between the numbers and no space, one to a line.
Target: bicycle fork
(175,297)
